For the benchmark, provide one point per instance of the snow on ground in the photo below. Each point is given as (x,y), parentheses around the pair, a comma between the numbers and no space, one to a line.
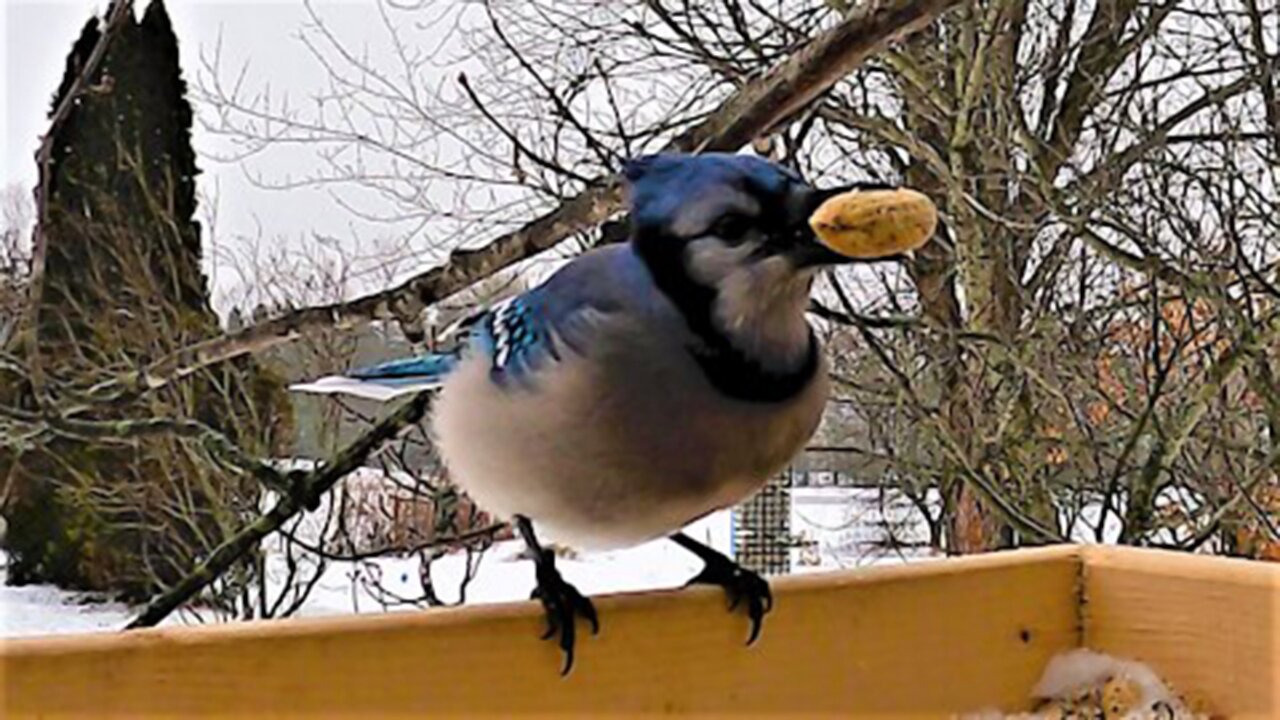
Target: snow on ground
(844,527)
(503,576)
(344,587)
(854,527)
(43,610)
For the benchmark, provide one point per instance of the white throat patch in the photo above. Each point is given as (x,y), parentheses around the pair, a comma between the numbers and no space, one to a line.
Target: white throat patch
(760,301)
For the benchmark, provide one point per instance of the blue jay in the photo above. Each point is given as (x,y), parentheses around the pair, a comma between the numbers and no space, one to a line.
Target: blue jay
(643,385)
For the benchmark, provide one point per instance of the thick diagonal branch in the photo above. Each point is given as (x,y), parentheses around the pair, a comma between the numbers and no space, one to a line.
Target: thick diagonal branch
(306,491)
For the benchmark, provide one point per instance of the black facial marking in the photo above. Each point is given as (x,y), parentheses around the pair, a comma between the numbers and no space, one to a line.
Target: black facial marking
(727,368)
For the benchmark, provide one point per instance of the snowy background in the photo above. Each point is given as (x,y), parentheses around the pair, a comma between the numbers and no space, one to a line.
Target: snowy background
(839,528)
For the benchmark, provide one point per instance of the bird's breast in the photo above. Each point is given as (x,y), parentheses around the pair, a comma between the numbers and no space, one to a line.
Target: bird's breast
(616,446)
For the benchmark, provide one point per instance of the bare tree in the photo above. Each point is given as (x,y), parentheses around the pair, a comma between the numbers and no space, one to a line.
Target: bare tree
(1102,168)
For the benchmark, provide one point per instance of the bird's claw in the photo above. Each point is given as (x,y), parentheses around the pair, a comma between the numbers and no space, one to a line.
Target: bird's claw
(563,604)
(739,584)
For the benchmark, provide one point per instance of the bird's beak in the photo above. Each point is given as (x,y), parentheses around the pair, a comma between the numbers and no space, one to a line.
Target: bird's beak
(872,224)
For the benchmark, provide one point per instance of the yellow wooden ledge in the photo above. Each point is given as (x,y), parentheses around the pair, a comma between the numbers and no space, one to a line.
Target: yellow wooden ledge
(924,640)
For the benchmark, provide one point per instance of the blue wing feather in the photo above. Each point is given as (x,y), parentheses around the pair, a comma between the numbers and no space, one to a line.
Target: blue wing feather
(519,338)
(435,365)
(524,334)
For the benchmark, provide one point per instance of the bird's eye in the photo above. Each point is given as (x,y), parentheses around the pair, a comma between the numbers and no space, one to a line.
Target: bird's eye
(731,227)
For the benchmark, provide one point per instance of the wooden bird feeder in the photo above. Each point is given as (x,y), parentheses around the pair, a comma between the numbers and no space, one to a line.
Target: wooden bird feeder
(927,640)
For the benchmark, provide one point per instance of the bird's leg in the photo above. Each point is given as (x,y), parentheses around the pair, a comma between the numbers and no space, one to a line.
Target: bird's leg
(561,601)
(738,582)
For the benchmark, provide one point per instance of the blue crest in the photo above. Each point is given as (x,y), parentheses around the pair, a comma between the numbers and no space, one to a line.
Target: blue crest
(660,184)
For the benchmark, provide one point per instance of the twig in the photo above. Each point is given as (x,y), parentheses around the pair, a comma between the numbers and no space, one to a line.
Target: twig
(486,532)
(521,149)
(882,322)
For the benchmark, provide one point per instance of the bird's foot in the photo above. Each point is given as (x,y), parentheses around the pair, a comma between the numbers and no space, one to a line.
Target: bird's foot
(561,601)
(743,586)
(563,605)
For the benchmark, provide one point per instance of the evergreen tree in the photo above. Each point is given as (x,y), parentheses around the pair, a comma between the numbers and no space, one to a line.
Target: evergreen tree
(122,286)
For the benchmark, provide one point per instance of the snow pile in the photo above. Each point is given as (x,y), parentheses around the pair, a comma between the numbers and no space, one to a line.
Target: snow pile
(1087,684)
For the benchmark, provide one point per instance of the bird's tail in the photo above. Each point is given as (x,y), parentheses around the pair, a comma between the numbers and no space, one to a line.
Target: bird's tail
(387,380)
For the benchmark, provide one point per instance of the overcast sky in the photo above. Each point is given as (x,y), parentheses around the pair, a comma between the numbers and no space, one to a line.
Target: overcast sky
(37,34)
